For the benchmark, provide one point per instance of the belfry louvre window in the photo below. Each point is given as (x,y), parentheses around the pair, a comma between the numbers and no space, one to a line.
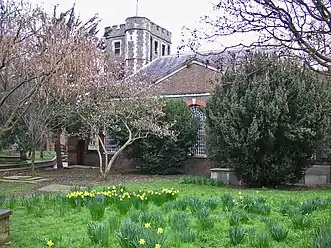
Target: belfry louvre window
(199,149)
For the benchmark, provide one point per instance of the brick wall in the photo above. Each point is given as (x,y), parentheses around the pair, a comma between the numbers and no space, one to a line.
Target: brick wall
(192,79)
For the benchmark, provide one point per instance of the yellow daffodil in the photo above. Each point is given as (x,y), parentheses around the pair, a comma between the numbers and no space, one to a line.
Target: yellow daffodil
(157,246)
(148,225)
(141,241)
(50,243)
(160,230)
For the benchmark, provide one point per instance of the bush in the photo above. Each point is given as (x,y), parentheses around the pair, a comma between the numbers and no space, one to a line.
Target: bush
(163,155)
(266,119)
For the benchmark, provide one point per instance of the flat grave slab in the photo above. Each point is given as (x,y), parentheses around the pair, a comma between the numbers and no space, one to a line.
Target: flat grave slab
(59,188)
(22,179)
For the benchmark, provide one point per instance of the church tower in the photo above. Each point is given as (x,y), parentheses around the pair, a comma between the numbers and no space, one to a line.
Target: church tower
(138,41)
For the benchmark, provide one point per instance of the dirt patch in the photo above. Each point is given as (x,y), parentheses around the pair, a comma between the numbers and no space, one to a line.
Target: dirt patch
(72,177)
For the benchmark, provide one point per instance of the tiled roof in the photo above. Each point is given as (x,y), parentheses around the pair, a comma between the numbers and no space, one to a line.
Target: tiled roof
(163,66)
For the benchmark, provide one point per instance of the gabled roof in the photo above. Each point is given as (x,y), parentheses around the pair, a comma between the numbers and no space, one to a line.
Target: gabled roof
(162,67)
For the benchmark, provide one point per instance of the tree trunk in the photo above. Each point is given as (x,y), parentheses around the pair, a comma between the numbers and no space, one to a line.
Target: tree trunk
(58,151)
(100,156)
(33,159)
(114,157)
(100,162)
(42,152)
(23,156)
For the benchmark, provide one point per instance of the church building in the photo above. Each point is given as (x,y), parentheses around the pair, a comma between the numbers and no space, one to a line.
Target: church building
(146,47)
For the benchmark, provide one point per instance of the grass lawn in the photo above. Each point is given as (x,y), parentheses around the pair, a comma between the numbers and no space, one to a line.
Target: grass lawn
(47,155)
(200,216)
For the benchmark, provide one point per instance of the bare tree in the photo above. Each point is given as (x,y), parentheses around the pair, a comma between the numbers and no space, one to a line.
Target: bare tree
(298,27)
(39,121)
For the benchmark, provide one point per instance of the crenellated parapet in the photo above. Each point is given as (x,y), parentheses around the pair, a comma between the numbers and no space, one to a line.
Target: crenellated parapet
(138,41)
(137,22)
(115,31)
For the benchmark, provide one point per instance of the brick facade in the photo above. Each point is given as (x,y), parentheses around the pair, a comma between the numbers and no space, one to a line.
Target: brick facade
(192,79)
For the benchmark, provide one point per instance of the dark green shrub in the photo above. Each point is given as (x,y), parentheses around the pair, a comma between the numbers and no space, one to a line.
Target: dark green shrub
(266,119)
(163,155)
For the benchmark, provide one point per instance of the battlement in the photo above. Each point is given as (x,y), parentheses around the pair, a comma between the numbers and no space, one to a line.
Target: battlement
(160,32)
(138,41)
(138,22)
(115,31)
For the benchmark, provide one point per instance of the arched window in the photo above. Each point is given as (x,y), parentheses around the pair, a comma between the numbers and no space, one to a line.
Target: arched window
(199,149)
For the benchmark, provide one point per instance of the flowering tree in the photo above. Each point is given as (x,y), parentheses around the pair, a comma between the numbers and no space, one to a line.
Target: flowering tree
(114,103)
(37,52)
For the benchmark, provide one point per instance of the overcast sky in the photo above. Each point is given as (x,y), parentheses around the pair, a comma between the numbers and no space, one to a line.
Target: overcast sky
(170,14)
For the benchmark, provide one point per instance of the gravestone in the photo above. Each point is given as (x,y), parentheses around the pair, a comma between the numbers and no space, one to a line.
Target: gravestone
(225,175)
(4,227)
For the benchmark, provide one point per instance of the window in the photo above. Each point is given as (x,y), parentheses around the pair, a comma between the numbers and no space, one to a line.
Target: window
(199,149)
(156,46)
(163,50)
(117,47)
(168,49)
(111,144)
(150,49)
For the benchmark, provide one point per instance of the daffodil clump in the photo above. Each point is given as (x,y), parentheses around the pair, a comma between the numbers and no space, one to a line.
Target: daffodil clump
(121,198)
(138,235)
